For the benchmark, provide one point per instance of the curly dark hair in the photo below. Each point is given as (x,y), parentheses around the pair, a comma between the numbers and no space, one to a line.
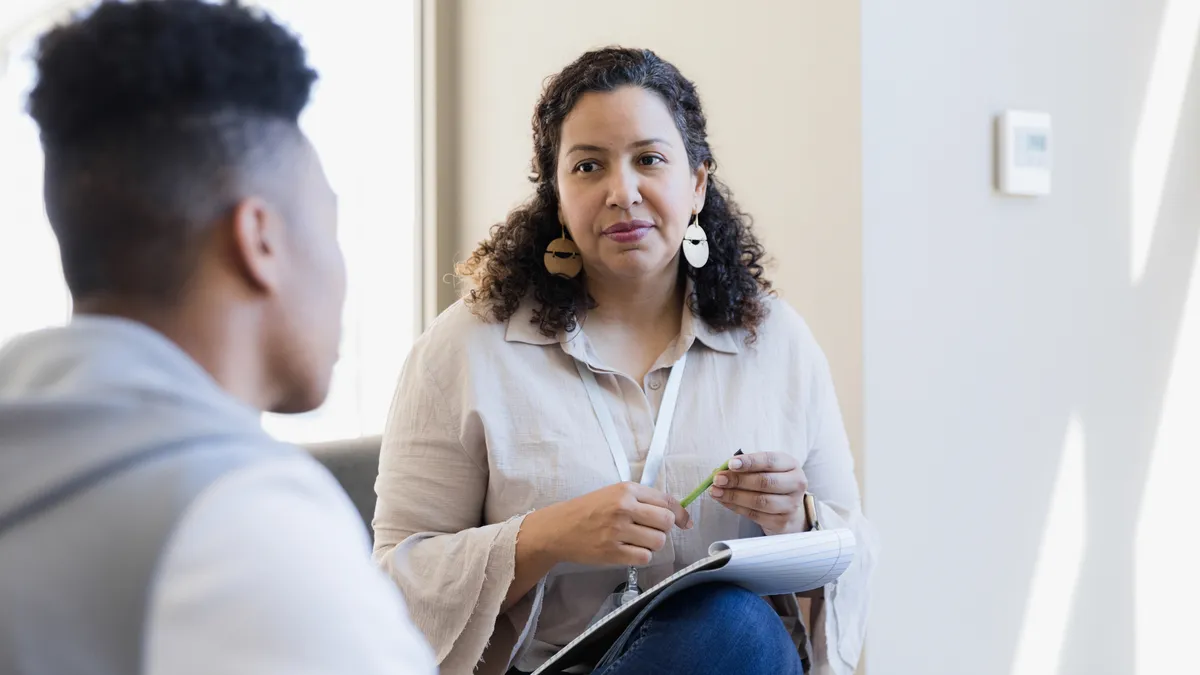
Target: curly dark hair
(150,114)
(728,291)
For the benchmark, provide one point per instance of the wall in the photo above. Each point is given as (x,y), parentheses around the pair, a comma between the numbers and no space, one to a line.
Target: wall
(1032,367)
(780,86)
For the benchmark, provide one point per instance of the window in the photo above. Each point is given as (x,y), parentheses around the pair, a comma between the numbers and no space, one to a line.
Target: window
(363,122)
(35,295)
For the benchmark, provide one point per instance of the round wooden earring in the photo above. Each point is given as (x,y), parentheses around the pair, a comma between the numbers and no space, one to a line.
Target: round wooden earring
(562,258)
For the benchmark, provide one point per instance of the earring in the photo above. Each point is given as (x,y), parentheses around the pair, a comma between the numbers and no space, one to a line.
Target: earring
(562,257)
(695,243)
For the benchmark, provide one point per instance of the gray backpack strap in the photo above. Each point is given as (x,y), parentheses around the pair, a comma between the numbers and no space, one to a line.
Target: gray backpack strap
(79,561)
(80,482)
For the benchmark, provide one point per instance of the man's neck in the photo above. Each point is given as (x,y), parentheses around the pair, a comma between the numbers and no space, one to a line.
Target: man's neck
(206,341)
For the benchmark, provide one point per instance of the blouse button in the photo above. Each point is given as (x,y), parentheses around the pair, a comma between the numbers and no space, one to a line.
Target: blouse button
(654,384)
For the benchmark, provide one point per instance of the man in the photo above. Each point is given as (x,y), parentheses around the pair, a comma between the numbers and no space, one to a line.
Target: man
(147,523)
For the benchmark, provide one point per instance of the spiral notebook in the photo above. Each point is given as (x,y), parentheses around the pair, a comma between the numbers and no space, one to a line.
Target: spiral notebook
(771,565)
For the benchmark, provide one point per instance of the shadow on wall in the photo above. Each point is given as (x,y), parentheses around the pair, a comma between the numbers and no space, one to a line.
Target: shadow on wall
(1115,536)
(1115,543)
(1033,367)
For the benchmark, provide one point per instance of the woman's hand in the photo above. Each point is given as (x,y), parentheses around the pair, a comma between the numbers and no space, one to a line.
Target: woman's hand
(766,487)
(622,524)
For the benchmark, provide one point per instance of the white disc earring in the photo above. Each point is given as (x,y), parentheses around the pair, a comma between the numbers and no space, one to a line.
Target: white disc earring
(695,243)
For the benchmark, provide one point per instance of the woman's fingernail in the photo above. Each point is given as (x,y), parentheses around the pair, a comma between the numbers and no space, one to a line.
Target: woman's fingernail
(735,464)
(721,481)
(717,492)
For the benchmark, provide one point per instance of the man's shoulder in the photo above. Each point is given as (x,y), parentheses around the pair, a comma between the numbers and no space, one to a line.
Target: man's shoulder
(267,474)
(264,529)
(272,562)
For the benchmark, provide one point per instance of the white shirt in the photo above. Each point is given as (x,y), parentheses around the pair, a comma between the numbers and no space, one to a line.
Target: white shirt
(269,572)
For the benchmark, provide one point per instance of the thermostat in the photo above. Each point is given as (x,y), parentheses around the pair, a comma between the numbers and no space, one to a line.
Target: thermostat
(1023,153)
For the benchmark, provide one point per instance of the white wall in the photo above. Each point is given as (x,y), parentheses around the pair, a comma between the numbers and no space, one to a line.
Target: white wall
(779,82)
(1029,399)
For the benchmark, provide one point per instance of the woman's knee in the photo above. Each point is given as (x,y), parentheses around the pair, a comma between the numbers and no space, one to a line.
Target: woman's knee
(714,628)
(734,616)
(720,599)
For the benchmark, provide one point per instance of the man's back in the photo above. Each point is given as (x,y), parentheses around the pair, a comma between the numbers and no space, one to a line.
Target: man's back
(148,524)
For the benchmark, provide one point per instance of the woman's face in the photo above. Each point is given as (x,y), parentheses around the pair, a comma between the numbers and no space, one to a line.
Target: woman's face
(625,188)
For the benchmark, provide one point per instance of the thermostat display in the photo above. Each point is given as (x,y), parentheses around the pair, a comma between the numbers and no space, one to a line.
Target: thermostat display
(1023,153)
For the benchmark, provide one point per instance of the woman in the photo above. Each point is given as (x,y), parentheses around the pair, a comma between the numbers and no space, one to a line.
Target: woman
(505,513)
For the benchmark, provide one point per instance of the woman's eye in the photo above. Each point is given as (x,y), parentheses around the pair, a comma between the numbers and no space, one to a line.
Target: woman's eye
(650,160)
(587,167)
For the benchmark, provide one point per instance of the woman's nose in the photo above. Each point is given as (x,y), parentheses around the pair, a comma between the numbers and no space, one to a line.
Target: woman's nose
(623,190)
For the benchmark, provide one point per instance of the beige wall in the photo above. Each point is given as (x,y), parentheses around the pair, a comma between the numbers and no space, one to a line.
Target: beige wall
(780,83)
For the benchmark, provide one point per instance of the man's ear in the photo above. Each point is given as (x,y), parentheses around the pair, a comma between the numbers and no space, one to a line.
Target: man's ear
(257,243)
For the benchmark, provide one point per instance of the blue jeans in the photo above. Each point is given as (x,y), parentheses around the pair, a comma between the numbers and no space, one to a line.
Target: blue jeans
(713,629)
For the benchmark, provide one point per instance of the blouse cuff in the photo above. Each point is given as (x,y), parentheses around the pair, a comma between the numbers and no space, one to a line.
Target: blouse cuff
(846,598)
(525,613)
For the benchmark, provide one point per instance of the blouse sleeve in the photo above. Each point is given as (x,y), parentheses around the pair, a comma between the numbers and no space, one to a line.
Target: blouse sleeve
(453,570)
(839,630)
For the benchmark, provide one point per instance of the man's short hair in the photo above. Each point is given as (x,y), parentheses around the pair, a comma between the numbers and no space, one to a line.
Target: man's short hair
(154,114)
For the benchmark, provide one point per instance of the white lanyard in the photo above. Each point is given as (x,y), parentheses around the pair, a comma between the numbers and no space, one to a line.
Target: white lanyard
(662,426)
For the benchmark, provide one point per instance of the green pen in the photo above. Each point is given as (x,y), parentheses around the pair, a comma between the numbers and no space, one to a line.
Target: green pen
(707,483)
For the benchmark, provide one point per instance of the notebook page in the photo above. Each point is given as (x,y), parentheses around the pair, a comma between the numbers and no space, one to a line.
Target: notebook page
(786,563)
(779,564)
(768,565)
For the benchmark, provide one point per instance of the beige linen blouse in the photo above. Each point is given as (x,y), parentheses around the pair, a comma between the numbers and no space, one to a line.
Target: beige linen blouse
(492,420)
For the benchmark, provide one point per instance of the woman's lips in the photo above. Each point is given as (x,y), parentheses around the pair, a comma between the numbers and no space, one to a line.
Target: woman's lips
(629,231)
